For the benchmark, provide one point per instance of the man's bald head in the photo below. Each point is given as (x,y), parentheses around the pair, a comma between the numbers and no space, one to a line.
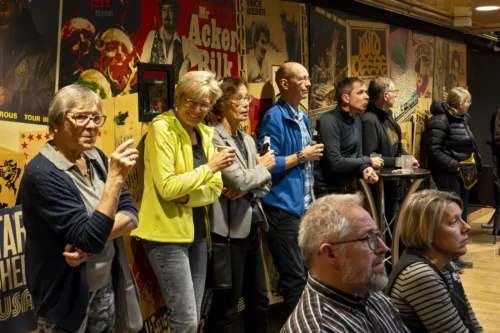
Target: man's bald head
(293,82)
(285,70)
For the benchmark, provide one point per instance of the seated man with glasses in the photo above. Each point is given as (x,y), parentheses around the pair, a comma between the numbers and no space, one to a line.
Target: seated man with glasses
(341,247)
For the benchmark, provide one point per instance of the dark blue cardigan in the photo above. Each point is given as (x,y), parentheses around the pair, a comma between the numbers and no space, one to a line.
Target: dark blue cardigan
(54,214)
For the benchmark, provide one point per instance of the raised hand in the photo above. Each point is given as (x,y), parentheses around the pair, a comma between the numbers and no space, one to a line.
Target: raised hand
(122,160)
(221,159)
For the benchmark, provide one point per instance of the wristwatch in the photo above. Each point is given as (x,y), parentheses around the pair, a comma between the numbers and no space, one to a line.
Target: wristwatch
(301,157)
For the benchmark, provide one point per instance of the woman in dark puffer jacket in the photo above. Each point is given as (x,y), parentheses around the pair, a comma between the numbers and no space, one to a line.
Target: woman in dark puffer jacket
(449,141)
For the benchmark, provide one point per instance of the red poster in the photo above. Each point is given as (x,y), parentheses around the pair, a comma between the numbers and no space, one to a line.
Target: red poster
(192,35)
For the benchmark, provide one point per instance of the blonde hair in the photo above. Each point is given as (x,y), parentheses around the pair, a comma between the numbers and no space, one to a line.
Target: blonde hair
(197,84)
(421,215)
(74,95)
(456,97)
(325,222)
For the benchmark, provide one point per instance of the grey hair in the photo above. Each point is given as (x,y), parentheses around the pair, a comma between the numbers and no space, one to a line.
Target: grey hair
(378,86)
(197,84)
(74,95)
(325,222)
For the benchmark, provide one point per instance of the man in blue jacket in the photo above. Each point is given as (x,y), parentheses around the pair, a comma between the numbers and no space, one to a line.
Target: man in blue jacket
(292,177)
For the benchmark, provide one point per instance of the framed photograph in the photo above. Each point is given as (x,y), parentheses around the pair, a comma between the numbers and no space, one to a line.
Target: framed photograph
(155,90)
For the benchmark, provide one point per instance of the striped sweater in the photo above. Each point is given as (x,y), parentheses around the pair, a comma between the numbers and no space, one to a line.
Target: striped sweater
(420,293)
(323,308)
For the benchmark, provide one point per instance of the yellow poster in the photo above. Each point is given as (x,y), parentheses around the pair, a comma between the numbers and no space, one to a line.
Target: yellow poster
(11,171)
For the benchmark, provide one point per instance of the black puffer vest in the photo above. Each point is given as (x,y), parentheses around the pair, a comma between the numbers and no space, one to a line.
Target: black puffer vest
(456,290)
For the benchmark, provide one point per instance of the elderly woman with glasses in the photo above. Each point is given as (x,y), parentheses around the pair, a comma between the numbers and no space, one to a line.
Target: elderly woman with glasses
(181,180)
(423,285)
(238,214)
(73,201)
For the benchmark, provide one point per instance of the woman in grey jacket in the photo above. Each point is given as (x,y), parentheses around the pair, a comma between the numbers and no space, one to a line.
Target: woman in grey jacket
(238,213)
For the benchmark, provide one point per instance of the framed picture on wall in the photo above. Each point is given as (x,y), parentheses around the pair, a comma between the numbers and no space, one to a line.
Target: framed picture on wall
(155,89)
(367,49)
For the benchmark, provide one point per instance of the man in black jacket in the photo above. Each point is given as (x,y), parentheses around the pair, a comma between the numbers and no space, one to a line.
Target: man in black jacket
(340,131)
(381,134)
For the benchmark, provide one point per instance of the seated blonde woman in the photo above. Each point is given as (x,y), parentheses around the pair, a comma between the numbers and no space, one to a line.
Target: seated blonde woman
(424,286)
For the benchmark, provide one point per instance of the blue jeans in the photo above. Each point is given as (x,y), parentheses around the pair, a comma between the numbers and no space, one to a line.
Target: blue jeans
(181,270)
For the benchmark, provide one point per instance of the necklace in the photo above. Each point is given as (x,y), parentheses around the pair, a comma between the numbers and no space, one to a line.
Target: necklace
(85,158)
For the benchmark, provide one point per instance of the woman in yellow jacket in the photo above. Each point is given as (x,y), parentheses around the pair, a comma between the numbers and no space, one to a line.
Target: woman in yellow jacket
(181,179)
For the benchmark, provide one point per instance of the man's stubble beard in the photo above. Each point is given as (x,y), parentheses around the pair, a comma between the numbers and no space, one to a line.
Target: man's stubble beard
(373,281)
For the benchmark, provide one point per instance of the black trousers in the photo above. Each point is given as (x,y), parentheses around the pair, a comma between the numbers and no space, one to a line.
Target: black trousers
(452,182)
(282,239)
(248,282)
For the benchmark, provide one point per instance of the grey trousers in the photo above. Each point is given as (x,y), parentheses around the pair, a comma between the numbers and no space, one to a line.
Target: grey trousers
(100,317)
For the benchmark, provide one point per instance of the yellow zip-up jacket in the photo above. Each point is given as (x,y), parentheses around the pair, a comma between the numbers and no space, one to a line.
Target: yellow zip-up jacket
(168,175)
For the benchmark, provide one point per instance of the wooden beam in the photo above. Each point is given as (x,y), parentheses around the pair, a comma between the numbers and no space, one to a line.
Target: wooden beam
(481,31)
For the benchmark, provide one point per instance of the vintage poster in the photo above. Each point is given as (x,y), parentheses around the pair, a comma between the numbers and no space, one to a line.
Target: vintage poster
(328,57)
(191,35)
(31,142)
(11,171)
(423,51)
(274,34)
(418,128)
(457,66)
(402,71)
(28,47)
(16,305)
(406,136)
(423,54)
(99,45)
(367,49)
(408,108)
(440,69)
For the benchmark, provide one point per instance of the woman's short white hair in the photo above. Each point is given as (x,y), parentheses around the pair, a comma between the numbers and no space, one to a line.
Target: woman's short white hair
(324,222)
(197,84)
(74,95)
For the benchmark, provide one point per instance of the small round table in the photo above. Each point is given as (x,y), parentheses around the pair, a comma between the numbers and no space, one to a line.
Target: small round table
(378,210)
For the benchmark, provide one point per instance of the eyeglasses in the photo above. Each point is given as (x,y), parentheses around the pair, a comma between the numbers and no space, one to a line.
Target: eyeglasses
(192,104)
(394,91)
(303,78)
(242,99)
(82,119)
(371,238)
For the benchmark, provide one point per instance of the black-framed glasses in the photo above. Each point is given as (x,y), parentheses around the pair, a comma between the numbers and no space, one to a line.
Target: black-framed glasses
(82,119)
(371,238)
(240,100)
(193,104)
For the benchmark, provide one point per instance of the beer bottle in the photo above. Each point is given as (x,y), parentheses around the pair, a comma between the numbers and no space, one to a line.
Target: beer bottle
(397,157)
(267,145)
(315,138)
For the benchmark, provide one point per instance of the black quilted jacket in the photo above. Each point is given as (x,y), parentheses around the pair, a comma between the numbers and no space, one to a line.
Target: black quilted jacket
(448,138)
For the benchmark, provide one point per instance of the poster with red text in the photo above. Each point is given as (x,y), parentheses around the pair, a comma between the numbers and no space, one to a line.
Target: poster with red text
(191,35)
